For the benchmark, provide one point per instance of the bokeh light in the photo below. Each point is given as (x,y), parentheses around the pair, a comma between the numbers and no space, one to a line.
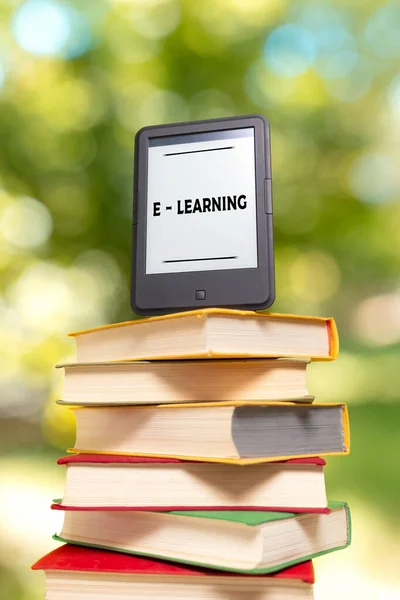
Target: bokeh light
(24,520)
(132,49)
(382,30)
(163,106)
(374,178)
(47,27)
(314,274)
(266,88)
(337,52)
(348,377)
(210,104)
(377,319)
(50,299)
(290,50)
(26,223)
(255,12)
(394,96)
(155,19)
(316,15)
(234,20)
(354,85)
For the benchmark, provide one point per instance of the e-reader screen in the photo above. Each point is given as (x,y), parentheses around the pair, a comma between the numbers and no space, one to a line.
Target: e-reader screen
(201,202)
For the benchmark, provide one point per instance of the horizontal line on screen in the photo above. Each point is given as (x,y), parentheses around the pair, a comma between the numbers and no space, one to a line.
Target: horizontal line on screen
(178,260)
(193,151)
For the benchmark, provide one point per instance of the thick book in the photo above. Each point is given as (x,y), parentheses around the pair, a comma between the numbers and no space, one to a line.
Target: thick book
(156,382)
(211,333)
(242,541)
(86,573)
(237,432)
(109,482)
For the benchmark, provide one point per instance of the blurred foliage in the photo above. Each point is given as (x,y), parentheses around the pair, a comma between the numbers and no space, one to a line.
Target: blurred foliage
(77,80)
(370,469)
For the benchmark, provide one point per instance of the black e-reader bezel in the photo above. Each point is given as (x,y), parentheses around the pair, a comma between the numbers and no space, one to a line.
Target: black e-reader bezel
(244,288)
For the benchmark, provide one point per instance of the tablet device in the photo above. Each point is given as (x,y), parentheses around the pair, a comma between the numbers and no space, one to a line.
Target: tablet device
(202,216)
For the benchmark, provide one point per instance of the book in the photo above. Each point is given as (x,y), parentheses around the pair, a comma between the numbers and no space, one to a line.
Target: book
(73,571)
(109,482)
(242,541)
(155,382)
(210,333)
(222,432)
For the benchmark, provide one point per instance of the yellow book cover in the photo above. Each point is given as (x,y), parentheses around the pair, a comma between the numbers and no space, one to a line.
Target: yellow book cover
(203,426)
(211,333)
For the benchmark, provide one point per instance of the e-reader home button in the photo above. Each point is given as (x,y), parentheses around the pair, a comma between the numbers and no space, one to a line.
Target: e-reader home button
(200,294)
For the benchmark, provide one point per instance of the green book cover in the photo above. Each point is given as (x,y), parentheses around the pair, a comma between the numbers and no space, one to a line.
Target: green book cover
(249,518)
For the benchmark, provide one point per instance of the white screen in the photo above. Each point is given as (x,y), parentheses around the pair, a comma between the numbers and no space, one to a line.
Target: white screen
(201,203)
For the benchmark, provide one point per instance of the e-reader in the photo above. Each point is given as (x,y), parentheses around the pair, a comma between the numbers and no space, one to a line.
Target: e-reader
(202,216)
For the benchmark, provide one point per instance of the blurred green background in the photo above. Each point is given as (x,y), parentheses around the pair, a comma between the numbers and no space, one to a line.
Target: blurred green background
(77,80)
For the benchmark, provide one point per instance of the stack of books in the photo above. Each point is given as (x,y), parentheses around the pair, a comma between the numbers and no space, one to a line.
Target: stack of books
(198,468)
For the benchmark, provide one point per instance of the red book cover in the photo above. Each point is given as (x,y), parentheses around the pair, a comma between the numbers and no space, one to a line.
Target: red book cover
(111,458)
(79,558)
(120,458)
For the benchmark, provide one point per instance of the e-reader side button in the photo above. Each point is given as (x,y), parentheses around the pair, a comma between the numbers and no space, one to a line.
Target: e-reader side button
(267,196)
(200,294)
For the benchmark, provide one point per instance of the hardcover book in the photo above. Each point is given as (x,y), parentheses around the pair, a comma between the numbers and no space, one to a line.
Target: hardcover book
(155,382)
(222,432)
(111,482)
(242,541)
(211,333)
(86,573)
